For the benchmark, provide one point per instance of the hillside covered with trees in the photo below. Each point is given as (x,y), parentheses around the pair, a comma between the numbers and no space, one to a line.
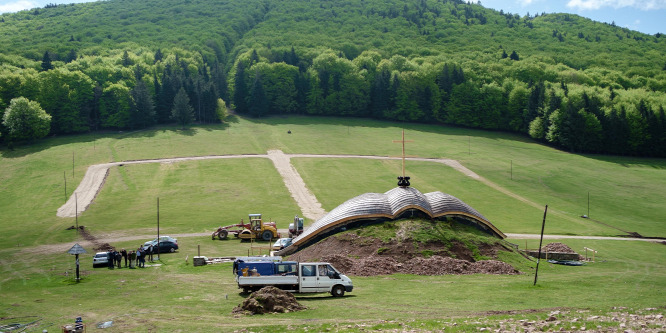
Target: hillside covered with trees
(581,85)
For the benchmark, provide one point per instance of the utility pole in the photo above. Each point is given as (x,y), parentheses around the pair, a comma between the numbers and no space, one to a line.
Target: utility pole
(76,212)
(158,227)
(543,224)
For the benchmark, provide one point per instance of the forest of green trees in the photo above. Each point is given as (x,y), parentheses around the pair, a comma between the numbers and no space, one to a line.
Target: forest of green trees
(577,84)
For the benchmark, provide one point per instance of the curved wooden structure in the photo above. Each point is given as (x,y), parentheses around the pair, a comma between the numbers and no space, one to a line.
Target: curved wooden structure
(391,205)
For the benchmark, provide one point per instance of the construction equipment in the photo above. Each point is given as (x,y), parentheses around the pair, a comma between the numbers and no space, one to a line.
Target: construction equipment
(235,229)
(296,228)
(259,229)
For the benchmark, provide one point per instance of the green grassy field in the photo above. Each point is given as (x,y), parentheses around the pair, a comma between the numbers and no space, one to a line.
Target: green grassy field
(198,196)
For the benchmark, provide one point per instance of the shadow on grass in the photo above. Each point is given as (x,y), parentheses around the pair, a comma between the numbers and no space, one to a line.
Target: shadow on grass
(21,149)
(319,297)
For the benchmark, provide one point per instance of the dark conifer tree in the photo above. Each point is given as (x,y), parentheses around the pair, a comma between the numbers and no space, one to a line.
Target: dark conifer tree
(182,112)
(46,62)
(254,58)
(240,89)
(514,56)
(380,92)
(142,110)
(302,87)
(445,81)
(71,56)
(258,103)
(126,62)
(158,56)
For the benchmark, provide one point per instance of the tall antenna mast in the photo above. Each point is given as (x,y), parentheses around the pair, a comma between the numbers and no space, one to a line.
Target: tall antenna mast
(404,180)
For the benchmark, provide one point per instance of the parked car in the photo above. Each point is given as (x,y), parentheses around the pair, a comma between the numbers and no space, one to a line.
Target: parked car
(100,258)
(165,246)
(162,239)
(281,244)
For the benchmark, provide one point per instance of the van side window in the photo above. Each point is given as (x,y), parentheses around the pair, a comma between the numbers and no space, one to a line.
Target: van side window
(323,270)
(308,270)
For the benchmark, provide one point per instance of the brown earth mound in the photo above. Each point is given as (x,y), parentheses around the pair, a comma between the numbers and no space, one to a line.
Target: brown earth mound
(268,300)
(557,247)
(367,256)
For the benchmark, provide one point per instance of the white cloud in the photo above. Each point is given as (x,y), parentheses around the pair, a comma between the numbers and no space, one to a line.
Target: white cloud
(597,4)
(17,6)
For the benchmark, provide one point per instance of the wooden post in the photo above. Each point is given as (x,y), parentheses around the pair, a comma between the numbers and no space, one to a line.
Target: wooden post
(76,212)
(158,227)
(543,224)
(77,267)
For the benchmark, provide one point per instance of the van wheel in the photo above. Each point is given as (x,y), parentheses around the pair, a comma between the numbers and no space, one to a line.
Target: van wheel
(338,291)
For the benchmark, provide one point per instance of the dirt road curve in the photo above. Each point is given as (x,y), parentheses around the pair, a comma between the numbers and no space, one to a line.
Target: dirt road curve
(95,176)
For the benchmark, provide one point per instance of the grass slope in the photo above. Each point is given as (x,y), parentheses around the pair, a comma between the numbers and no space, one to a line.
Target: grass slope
(198,196)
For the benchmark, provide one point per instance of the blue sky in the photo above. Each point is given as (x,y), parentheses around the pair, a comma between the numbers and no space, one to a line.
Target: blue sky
(648,16)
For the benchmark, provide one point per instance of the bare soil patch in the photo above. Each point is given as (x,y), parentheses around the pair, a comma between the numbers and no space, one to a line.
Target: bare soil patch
(368,256)
(268,300)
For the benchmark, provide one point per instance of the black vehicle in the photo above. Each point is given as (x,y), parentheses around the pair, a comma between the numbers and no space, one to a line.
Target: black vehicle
(165,247)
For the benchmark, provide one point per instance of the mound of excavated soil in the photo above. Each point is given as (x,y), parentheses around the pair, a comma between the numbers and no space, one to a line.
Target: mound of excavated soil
(367,256)
(269,300)
(557,247)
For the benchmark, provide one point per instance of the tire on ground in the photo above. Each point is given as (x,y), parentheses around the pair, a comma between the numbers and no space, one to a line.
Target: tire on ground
(223,234)
(338,291)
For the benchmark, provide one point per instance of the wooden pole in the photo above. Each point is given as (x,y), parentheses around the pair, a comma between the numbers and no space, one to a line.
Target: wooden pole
(76,211)
(77,268)
(158,227)
(198,250)
(543,224)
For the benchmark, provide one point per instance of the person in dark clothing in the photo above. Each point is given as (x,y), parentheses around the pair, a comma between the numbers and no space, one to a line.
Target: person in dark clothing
(110,257)
(119,258)
(123,252)
(141,257)
(132,259)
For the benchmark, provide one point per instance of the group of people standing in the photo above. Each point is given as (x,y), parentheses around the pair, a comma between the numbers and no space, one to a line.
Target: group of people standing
(133,258)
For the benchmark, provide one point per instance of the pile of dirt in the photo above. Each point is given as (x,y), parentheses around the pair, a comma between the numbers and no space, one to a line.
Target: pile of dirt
(269,300)
(557,247)
(367,256)
(435,265)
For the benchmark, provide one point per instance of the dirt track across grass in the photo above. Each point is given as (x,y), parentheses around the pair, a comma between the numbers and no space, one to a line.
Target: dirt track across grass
(95,176)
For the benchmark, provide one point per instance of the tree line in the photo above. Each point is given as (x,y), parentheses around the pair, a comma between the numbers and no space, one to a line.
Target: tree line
(569,115)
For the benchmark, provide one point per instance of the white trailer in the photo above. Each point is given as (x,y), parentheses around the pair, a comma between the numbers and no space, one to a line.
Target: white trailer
(307,277)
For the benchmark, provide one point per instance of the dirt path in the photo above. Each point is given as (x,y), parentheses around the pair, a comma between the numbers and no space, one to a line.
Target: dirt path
(310,206)
(95,176)
(93,181)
